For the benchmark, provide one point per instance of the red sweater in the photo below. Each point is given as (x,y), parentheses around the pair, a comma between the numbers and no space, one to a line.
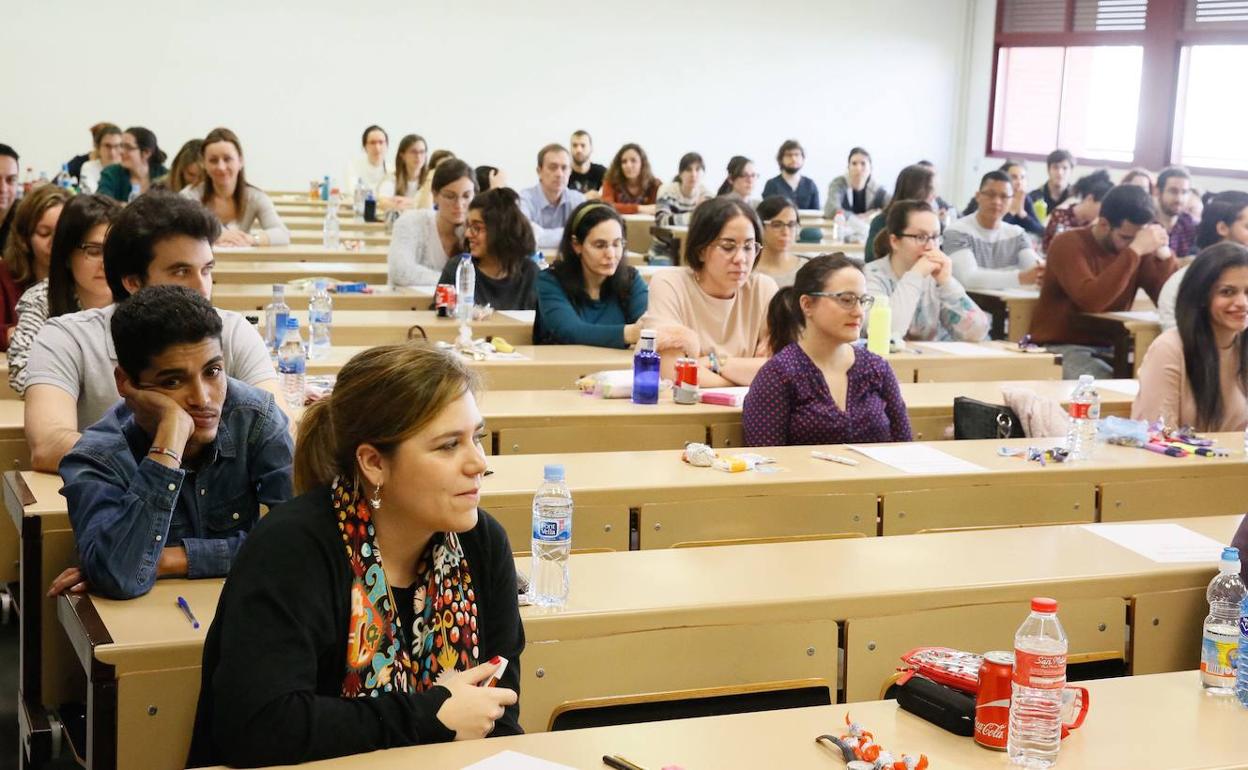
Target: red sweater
(626,203)
(1082,277)
(10,293)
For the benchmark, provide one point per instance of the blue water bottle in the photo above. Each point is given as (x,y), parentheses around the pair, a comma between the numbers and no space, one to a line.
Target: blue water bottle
(646,370)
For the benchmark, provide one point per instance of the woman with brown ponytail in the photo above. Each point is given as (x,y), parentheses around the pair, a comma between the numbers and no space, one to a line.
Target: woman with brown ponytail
(364,613)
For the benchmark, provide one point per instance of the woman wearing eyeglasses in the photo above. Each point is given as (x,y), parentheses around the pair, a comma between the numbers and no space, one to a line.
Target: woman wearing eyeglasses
(927,302)
(741,179)
(780,225)
(501,241)
(75,276)
(718,297)
(819,388)
(424,239)
(141,163)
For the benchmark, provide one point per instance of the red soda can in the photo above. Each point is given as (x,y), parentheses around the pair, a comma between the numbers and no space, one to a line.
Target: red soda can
(444,300)
(686,372)
(992,706)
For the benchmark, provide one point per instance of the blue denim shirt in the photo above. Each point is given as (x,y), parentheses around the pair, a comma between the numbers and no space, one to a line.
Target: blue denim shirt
(125,507)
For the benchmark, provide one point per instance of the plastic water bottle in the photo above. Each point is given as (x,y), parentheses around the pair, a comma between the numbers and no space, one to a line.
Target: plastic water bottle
(332,229)
(357,202)
(292,365)
(1241,672)
(1220,644)
(465,289)
(552,540)
(1040,645)
(646,370)
(320,319)
(275,315)
(135,191)
(879,326)
(325,189)
(1085,411)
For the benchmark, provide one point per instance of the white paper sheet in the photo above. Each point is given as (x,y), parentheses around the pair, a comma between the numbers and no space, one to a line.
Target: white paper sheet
(514,760)
(527,316)
(1162,543)
(1020,293)
(963,348)
(1139,315)
(918,458)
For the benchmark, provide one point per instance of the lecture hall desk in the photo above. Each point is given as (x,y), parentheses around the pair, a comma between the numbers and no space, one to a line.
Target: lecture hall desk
(1011,310)
(316,238)
(317,222)
(380,327)
(250,298)
(1134,723)
(266,273)
(1132,331)
(687,619)
(314,253)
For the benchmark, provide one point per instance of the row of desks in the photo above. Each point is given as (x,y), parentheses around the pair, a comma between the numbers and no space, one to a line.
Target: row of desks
(1132,724)
(694,619)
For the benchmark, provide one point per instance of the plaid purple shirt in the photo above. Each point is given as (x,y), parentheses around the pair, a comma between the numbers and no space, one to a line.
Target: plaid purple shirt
(1183,235)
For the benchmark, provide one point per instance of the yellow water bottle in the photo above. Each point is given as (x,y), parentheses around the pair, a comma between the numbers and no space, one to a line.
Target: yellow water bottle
(1041,208)
(879,326)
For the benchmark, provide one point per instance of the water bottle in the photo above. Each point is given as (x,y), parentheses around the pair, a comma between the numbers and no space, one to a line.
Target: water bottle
(275,315)
(370,207)
(332,229)
(357,202)
(879,326)
(1035,732)
(292,365)
(1085,411)
(320,319)
(1241,672)
(135,191)
(552,540)
(646,370)
(1220,644)
(325,189)
(465,289)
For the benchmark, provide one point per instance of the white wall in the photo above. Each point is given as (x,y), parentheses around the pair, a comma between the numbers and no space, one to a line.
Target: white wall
(494,80)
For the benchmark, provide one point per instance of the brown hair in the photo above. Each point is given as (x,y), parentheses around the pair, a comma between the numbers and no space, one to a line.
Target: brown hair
(383,396)
(188,156)
(895,223)
(240,187)
(98,132)
(18,255)
(552,147)
(400,166)
(646,181)
(436,158)
(785,319)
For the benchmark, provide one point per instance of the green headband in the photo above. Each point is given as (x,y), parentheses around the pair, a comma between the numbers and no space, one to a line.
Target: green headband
(576,220)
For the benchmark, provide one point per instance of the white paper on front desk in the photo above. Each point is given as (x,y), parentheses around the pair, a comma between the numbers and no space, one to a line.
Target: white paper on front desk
(962,348)
(917,458)
(527,316)
(1162,543)
(514,760)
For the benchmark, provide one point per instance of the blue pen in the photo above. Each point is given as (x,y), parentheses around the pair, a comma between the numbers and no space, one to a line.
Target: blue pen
(186,610)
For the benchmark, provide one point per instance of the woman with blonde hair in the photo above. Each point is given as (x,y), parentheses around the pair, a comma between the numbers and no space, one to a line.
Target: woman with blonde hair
(187,168)
(377,600)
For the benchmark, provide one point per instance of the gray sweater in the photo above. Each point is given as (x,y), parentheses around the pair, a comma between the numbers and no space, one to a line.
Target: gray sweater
(257,207)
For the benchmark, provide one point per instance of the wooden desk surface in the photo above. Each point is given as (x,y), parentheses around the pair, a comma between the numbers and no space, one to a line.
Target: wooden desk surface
(1132,723)
(251,297)
(268,273)
(377,327)
(317,222)
(316,238)
(299,253)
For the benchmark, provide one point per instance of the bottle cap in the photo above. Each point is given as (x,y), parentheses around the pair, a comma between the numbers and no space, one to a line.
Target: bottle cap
(1085,379)
(1230,553)
(292,322)
(279,288)
(649,334)
(1043,604)
(553,472)
(321,284)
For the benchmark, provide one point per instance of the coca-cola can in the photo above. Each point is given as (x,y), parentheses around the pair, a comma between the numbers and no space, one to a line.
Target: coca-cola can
(992,706)
(686,372)
(444,300)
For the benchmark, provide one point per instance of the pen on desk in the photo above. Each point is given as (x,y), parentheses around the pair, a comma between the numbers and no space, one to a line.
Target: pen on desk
(186,610)
(1172,451)
(488,472)
(815,453)
(619,763)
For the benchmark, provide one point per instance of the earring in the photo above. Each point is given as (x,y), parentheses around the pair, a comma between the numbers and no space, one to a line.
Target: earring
(375,501)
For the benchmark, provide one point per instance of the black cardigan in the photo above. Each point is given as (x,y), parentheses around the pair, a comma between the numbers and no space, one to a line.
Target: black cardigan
(275,656)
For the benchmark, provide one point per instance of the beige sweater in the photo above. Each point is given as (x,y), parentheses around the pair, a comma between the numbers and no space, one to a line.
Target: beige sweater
(1166,393)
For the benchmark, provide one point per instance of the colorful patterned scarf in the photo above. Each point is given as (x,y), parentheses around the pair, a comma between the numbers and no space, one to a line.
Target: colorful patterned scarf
(444,637)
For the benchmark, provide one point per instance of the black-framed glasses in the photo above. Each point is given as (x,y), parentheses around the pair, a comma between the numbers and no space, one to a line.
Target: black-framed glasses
(777,225)
(846,299)
(924,238)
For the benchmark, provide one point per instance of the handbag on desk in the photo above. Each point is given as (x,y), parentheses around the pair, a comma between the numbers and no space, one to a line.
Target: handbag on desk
(974,419)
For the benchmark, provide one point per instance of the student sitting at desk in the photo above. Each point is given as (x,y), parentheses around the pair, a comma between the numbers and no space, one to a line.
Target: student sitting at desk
(820,388)
(424,239)
(363,614)
(780,226)
(370,167)
(236,203)
(676,201)
(399,190)
(501,243)
(916,182)
(740,181)
(988,252)
(75,279)
(630,185)
(927,302)
(591,295)
(790,183)
(1197,374)
(161,238)
(187,168)
(1080,209)
(142,164)
(28,251)
(1226,219)
(549,203)
(718,297)
(1020,211)
(138,481)
(856,191)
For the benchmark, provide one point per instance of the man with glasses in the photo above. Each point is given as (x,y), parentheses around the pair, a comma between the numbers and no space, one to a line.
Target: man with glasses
(549,203)
(1099,269)
(988,252)
(790,183)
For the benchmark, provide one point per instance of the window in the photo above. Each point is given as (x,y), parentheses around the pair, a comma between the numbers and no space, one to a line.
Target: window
(1210,116)
(1124,82)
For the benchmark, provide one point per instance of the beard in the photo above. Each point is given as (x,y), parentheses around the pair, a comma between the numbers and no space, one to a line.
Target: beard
(791,169)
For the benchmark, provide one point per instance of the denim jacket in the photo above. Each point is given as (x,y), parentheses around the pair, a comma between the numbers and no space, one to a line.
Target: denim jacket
(125,507)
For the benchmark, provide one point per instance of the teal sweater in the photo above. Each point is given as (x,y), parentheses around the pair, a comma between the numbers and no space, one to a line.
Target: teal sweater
(115,181)
(598,322)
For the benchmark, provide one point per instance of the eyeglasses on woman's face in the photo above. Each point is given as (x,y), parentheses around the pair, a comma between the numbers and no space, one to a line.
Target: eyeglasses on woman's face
(923,239)
(846,299)
(779,225)
(730,248)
